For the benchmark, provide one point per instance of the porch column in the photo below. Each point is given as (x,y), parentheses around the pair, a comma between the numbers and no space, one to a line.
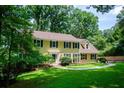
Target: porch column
(79,57)
(72,57)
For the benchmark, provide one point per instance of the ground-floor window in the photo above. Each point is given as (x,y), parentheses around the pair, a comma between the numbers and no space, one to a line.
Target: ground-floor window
(76,57)
(83,56)
(93,56)
(67,55)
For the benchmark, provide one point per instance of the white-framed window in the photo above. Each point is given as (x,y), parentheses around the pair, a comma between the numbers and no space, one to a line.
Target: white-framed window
(38,43)
(76,45)
(76,57)
(53,44)
(93,56)
(67,55)
(67,44)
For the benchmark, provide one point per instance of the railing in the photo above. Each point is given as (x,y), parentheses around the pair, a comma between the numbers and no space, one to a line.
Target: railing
(113,58)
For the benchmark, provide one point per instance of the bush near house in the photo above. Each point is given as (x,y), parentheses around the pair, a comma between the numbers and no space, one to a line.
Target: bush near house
(65,61)
(48,59)
(36,61)
(102,60)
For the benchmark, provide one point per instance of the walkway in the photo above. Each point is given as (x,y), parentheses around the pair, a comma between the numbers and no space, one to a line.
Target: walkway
(92,68)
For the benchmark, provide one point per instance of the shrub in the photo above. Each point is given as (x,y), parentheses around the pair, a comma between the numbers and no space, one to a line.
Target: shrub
(48,59)
(102,60)
(65,61)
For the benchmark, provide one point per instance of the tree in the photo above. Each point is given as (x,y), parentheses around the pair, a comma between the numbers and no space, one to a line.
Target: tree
(99,41)
(50,18)
(103,8)
(114,36)
(15,39)
(13,19)
(83,24)
(64,19)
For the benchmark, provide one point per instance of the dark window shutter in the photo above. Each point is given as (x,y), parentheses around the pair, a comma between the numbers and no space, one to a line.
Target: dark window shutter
(41,43)
(64,44)
(73,44)
(69,44)
(56,44)
(35,42)
(50,44)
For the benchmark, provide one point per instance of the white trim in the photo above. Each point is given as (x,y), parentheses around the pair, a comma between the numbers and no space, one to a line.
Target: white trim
(67,54)
(36,43)
(77,56)
(55,44)
(67,44)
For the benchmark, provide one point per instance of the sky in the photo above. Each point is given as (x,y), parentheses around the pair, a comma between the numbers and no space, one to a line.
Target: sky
(106,20)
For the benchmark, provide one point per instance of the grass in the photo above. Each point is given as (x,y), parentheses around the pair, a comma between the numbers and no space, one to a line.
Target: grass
(59,78)
(88,65)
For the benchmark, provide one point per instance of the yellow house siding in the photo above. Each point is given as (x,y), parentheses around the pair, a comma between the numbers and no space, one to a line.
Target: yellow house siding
(88,58)
(67,50)
(46,47)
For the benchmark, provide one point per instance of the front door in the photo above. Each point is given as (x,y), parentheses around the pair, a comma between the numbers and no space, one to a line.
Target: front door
(54,56)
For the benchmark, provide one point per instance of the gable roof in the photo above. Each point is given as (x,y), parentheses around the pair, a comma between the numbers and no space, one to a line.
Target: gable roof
(54,36)
(65,37)
(91,48)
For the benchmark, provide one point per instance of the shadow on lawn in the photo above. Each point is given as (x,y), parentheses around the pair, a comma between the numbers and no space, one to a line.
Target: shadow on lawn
(58,78)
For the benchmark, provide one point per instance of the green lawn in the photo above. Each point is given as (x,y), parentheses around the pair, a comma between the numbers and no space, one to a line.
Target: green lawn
(59,78)
(88,65)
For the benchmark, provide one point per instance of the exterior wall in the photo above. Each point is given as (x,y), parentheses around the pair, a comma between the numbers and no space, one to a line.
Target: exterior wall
(45,47)
(88,58)
(61,49)
(72,57)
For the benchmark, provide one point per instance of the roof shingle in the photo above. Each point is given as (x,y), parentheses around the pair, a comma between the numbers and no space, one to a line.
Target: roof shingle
(54,36)
(91,48)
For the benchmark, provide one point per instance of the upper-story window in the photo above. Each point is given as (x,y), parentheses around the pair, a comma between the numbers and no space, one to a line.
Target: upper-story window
(76,45)
(53,44)
(38,43)
(67,44)
(87,46)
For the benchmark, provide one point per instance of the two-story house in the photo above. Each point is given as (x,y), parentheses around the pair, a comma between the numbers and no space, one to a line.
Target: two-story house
(59,45)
